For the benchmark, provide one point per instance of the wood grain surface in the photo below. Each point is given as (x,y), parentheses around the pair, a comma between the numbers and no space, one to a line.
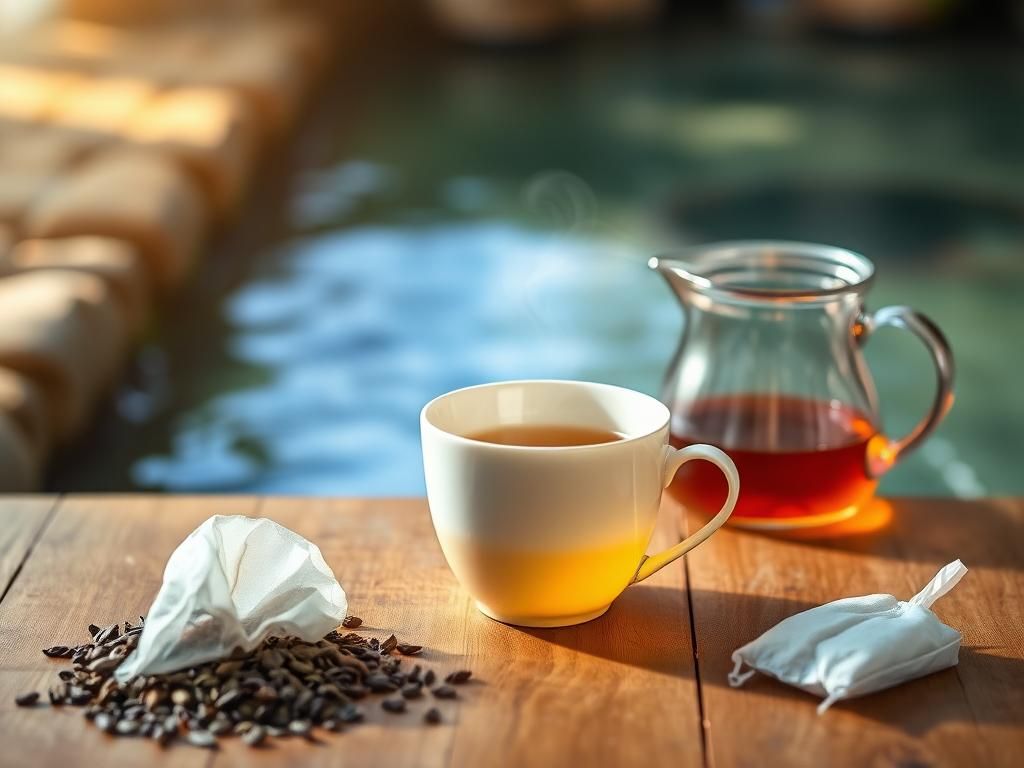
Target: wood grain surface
(21,521)
(743,583)
(624,690)
(100,560)
(620,691)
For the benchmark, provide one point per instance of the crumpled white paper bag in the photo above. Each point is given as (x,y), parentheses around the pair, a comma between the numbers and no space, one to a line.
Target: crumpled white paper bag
(233,582)
(857,645)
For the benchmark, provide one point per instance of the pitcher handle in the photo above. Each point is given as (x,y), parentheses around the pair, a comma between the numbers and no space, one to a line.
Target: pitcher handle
(674,459)
(922,327)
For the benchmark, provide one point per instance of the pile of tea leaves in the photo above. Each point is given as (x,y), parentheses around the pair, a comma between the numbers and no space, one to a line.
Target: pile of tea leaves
(284,687)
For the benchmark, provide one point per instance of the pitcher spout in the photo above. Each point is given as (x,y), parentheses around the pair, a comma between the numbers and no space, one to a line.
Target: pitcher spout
(680,275)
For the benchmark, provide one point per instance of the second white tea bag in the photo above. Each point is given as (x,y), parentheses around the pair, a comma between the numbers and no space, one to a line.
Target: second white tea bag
(857,645)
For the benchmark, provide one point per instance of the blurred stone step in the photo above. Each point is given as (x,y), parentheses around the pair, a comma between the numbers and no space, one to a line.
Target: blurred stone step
(33,160)
(156,54)
(23,403)
(102,104)
(29,94)
(41,148)
(77,45)
(121,138)
(130,12)
(211,132)
(19,471)
(137,196)
(270,59)
(63,331)
(115,261)
(19,192)
(273,77)
(306,36)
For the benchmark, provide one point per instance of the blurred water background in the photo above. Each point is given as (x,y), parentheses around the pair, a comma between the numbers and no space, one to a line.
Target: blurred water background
(452,215)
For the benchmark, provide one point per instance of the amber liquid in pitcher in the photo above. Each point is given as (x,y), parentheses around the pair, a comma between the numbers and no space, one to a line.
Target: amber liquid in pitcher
(801,462)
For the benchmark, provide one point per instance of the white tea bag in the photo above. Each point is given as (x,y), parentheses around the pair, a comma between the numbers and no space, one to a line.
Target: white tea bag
(857,645)
(233,582)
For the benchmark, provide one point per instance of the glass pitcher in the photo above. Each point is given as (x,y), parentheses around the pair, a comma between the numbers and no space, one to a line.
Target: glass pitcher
(769,369)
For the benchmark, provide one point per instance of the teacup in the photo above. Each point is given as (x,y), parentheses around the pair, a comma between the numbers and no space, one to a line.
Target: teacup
(550,535)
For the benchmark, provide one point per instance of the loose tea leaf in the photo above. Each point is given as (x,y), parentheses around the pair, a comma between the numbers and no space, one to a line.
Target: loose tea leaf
(300,727)
(380,683)
(254,736)
(284,687)
(458,678)
(110,633)
(412,691)
(395,706)
(126,728)
(202,739)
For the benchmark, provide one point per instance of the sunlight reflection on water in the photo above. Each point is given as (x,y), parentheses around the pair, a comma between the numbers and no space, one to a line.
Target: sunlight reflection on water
(359,328)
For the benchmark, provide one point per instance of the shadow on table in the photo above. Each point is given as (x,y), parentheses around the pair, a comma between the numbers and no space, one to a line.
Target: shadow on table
(983,688)
(649,627)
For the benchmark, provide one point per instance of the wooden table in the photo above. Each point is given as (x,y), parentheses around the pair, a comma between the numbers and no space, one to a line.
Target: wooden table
(644,685)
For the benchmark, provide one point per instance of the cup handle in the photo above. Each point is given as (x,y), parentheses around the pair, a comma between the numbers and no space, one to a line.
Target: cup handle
(910,320)
(674,459)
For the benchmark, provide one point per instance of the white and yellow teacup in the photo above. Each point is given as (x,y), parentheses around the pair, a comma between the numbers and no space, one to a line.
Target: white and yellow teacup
(550,536)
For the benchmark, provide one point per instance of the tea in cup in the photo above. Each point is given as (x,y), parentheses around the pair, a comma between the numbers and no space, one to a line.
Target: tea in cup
(544,494)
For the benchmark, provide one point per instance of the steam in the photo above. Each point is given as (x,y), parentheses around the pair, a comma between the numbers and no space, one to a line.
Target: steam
(561,200)
(566,206)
